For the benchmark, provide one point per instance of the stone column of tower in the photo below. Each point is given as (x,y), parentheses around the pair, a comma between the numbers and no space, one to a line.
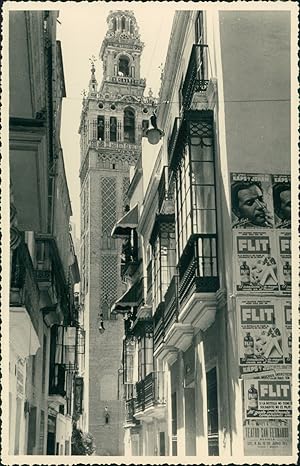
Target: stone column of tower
(112,122)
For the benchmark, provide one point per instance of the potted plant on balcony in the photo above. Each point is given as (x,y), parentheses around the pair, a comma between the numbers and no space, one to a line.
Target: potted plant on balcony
(82,443)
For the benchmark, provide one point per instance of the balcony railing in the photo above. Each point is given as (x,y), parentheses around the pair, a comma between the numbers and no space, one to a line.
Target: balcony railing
(57,379)
(198,267)
(114,145)
(164,193)
(174,139)
(149,283)
(171,304)
(128,80)
(129,412)
(150,391)
(21,271)
(196,74)
(130,260)
(159,326)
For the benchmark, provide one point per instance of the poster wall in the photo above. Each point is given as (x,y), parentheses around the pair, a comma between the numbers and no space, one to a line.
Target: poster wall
(261,227)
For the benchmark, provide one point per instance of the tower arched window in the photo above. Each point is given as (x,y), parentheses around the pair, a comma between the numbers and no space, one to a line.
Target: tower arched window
(123,66)
(113,129)
(123,23)
(129,125)
(114,24)
(131,27)
(100,128)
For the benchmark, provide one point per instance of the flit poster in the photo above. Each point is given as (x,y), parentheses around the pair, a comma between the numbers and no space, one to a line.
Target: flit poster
(255,261)
(268,397)
(264,329)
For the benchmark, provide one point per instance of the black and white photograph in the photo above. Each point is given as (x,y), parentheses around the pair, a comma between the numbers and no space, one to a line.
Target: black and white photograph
(149,285)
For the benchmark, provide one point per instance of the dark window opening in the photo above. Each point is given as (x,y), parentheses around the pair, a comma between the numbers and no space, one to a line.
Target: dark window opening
(162,444)
(123,23)
(212,413)
(129,126)
(145,126)
(44,362)
(174,423)
(113,129)
(100,128)
(123,69)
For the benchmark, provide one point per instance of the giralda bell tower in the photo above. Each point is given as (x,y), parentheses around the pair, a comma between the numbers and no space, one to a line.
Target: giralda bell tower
(113,119)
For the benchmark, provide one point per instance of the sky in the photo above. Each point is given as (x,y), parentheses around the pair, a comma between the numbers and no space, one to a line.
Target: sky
(81,32)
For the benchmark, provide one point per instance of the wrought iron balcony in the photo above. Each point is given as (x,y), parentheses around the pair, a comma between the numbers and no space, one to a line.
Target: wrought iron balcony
(21,271)
(164,193)
(149,392)
(139,402)
(149,283)
(174,140)
(57,379)
(17,277)
(159,326)
(128,80)
(129,413)
(171,304)
(198,267)
(130,260)
(196,74)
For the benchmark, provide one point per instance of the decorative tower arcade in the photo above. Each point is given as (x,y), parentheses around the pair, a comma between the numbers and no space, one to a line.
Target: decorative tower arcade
(113,120)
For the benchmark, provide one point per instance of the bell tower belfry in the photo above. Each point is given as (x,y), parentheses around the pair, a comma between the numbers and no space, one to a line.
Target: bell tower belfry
(114,117)
(121,54)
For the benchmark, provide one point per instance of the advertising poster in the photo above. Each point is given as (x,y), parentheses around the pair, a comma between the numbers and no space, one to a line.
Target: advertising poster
(284,261)
(268,398)
(251,201)
(264,326)
(282,201)
(269,437)
(287,313)
(255,261)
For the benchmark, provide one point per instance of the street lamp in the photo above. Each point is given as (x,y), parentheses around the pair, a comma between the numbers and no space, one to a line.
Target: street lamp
(154,134)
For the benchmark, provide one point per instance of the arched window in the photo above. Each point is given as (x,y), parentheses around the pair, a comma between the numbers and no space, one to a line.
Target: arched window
(123,23)
(123,67)
(131,27)
(129,125)
(113,129)
(114,24)
(100,128)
